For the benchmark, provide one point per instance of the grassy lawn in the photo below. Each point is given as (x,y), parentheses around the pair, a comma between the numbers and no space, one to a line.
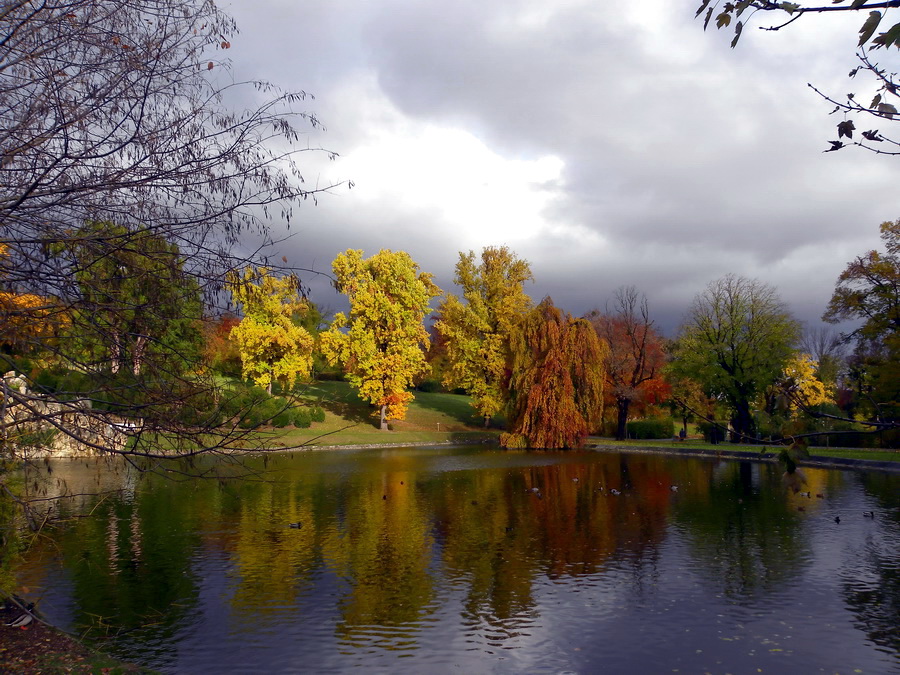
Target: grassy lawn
(449,418)
(431,418)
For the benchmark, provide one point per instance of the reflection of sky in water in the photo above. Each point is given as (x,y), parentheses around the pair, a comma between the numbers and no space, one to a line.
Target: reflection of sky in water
(473,559)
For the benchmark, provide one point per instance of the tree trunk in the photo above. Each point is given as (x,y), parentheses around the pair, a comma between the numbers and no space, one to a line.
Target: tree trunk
(384,425)
(622,405)
(742,423)
(487,421)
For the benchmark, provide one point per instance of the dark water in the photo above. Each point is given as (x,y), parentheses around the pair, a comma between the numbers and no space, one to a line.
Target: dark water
(477,560)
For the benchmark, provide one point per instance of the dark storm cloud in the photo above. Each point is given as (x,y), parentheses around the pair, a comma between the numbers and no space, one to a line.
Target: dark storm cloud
(682,159)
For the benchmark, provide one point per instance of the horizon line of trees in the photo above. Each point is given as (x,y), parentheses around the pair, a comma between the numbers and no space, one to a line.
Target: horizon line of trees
(739,360)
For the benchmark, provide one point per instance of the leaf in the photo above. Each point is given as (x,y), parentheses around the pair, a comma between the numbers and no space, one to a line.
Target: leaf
(708,17)
(872,135)
(887,110)
(789,7)
(741,6)
(875,101)
(856,4)
(703,6)
(209,66)
(889,38)
(868,28)
(835,145)
(723,20)
(846,128)
(737,33)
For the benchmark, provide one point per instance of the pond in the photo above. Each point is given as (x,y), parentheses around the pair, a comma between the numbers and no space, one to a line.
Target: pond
(481,560)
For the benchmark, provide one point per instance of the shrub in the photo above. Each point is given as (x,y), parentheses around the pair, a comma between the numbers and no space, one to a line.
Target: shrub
(429,386)
(655,427)
(317,414)
(302,418)
(283,418)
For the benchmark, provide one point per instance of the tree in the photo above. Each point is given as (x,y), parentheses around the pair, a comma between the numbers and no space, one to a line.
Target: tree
(113,113)
(477,332)
(220,352)
(869,290)
(116,112)
(885,93)
(557,380)
(689,399)
(271,345)
(134,307)
(382,348)
(735,342)
(797,388)
(636,356)
(827,348)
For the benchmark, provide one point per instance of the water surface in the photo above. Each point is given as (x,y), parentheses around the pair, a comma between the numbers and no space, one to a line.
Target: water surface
(480,560)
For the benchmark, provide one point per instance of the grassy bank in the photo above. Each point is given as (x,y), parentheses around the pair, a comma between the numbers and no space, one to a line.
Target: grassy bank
(431,418)
(696,444)
(450,418)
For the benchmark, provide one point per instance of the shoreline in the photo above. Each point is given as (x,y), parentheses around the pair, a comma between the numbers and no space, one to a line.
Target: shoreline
(761,456)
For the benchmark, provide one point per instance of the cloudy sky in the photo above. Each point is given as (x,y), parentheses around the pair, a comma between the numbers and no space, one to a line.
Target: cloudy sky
(608,144)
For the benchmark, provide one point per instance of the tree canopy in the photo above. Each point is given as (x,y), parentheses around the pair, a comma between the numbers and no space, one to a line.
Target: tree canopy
(134,308)
(381,344)
(477,328)
(557,380)
(735,341)
(636,357)
(115,112)
(272,346)
(868,290)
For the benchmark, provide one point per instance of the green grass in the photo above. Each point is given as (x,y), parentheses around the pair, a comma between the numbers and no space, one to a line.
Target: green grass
(431,418)
(878,455)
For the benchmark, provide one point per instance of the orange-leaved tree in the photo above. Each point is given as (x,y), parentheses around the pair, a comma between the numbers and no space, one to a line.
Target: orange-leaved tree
(381,344)
(557,380)
(27,320)
(636,354)
(477,328)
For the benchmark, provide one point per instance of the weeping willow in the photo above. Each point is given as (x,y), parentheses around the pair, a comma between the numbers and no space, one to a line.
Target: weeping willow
(556,382)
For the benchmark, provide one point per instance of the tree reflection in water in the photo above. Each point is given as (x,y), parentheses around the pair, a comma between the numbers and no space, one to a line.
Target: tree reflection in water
(435,554)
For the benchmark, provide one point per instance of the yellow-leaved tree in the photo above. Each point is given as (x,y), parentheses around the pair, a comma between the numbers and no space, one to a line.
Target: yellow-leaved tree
(272,346)
(799,382)
(477,332)
(381,344)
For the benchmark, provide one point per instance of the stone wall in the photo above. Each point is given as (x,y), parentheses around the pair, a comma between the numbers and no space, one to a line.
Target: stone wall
(35,425)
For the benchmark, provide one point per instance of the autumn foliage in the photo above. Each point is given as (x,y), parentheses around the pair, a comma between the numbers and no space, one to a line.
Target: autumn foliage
(272,347)
(476,328)
(381,344)
(557,380)
(636,356)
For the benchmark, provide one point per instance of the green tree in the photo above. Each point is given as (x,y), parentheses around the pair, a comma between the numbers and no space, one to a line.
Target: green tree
(477,328)
(381,344)
(557,380)
(736,341)
(272,346)
(869,290)
(881,108)
(136,310)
